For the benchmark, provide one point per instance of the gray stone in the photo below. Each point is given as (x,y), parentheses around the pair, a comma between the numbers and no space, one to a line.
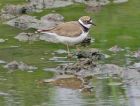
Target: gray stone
(2,62)
(2,40)
(119,1)
(115,49)
(27,37)
(92,53)
(14,65)
(137,54)
(25,21)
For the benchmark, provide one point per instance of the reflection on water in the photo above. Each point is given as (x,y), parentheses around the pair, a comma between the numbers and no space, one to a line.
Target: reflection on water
(67,97)
(21,89)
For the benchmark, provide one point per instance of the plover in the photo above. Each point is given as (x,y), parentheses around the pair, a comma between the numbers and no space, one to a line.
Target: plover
(69,33)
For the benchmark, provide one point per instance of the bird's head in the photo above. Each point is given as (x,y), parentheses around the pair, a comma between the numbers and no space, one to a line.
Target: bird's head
(86,21)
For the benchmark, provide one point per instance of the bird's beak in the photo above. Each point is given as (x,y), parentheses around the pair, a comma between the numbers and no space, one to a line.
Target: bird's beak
(92,23)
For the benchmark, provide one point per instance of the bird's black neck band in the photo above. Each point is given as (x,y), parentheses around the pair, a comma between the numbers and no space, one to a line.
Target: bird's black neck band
(84,28)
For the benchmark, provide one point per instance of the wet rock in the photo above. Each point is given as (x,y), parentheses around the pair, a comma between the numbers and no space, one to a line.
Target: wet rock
(14,46)
(66,81)
(86,41)
(2,40)
(14,65)
(18,9)
(137,54)
(60,51)
(93,6)
(53,17)
(120,1)
(27,37)
(83,68)
(115,49)
(50,3)
(50,20)
(110,70)
(135,66)
(4,94)
(25,21)
(6,17)
(92,53)
(2,62)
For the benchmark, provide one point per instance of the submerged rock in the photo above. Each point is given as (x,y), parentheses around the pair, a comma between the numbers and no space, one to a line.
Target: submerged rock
(92,53)
(86,41)
(2,62)
(14,65)
(137,54)
(2,40)
(115,49)
(66,81)
(120,1)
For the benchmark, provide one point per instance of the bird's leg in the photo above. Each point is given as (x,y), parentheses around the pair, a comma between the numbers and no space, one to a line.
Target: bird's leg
(68,51)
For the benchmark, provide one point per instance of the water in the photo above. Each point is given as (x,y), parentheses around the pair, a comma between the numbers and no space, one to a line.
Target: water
(23,89)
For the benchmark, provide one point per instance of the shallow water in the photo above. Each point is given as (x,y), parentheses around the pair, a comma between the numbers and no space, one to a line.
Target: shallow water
(23,89)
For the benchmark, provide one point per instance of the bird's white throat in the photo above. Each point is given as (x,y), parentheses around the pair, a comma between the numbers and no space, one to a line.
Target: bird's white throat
(85,25)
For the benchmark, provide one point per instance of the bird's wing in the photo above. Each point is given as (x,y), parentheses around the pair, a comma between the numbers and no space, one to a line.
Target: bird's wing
(69,29)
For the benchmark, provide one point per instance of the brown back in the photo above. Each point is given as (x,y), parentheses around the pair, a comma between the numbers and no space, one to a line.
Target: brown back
(69,29)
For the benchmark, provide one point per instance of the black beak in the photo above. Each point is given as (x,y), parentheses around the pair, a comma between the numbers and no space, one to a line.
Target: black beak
(92,23)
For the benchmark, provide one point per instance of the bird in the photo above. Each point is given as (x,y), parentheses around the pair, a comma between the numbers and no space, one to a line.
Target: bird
(68,33)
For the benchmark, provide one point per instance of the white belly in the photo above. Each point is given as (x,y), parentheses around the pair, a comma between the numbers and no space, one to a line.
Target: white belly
(52,37)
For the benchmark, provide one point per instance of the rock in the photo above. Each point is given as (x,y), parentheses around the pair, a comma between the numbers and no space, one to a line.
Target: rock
(14,65)
(137,54)
(60,51)
(115,49)
(110,70)
(93,6)
(50,20)
(2,40)
(136,66)
(83,67)
(86,41)
(2,62)
(6,17)
(66,81)
(18,9)
(53,17)
(39,4)
(120,1)
(25,21)
(27,37)
(90,53)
